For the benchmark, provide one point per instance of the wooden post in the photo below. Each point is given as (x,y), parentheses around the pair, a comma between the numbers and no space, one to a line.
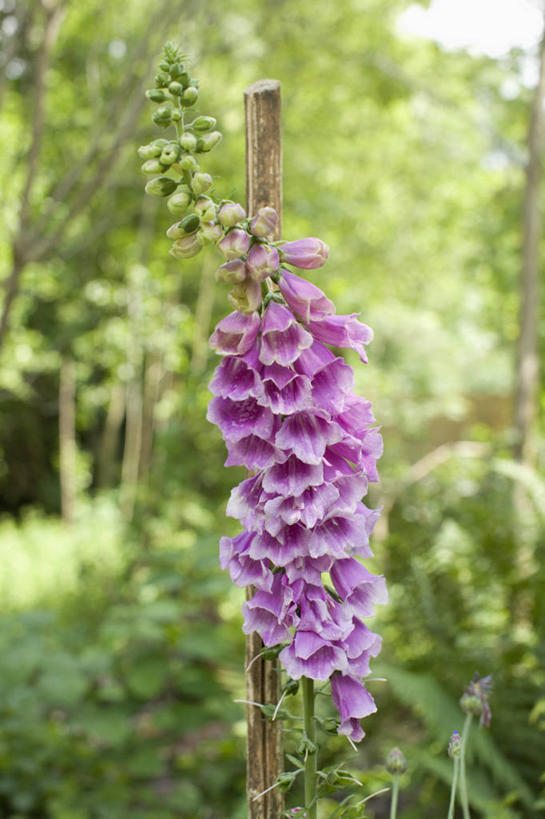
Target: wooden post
(263,187)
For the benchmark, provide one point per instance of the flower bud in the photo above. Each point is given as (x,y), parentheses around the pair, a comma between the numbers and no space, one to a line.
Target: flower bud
(182,76)
(189,97)
(201,182)
(307,254)
(159,144)
(235,244)
(161,186)
(152,166)
(189,163)
(208,141)
(176,115)
(163,116)
(164,65)
(263,260)
(188,141)
(232,272)
(203,124)
(156,95)
(148,151)
(161,79)
(170,153)
(211,231)
(187,246)
(206,208)
(471,704)
(176,231)
(190,223)
(179,202)
(396,763)
(230,213)
(455,745)
(246,296)
(176,88)
(264,224)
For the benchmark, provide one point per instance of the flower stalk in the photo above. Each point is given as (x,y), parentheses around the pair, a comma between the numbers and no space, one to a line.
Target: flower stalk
(463,778)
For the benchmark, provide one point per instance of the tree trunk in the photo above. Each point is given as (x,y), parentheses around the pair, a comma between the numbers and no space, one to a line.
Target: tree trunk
(263,187)
(527,367)
(67,438)
(110,436)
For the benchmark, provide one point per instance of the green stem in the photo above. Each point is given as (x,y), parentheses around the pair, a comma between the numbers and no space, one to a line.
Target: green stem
(453,789)
(393,802)
(311,760)
(463,780)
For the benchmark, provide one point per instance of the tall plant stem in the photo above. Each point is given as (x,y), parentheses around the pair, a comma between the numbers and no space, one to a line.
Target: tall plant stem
(393,802)
(453,789)
(311,759)
(463,780)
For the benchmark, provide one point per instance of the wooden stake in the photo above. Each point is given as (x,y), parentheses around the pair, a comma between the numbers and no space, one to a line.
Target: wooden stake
(263,187)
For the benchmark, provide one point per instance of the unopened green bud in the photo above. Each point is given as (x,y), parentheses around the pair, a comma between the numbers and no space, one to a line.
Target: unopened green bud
(189,163)
(161,186)
(201,183)
(187,246)
(176,115)
(148,151)
(175,70)
(159,144)
(170,153)
(245,297)
(195,83)
(206,208)
(163,116)
(211,231)
(471,704)
(164,65)
(179,202)
(190,97)
(152,166)
(190,223)
(176,231)
(161,79)
(176,88)
(156,95)
(188,141)
(184,78)
(396,763)
(203,124)
(208,141)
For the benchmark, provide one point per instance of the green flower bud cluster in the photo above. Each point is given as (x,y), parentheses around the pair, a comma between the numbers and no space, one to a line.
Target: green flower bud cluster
(174,164)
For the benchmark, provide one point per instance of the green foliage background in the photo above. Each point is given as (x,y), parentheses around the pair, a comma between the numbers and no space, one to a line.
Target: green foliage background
(120,642)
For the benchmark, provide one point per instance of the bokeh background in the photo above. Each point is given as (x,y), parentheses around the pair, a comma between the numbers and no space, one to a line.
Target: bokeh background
(405,146)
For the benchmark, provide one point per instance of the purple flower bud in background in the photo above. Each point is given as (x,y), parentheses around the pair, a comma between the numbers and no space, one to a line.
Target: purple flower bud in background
(187,246)
(474,700)
(235,244)
(264,224)
(233,272)
(455,745)
(245,296)
(396,764)
(262,261)
(307,254)
(235,334)
(230,213)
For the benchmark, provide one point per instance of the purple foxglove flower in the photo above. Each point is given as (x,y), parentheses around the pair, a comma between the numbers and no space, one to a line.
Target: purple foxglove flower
(234,244)
(282,337)
(270,613)
(308,569)
(359,589)
(309,655)
(331,385)
(353,702)
(244,570)
(340,536)
(285,391)
(306,254)
(251,452)
(291,543)
(234,378)
(239,419)
(235,334)
(342,331)
(246,296)
(313,359)
(305,299)
(230,213)
(306,436)
(264,224)
(262,261)
(309,507)
(232,272)
(292,477)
